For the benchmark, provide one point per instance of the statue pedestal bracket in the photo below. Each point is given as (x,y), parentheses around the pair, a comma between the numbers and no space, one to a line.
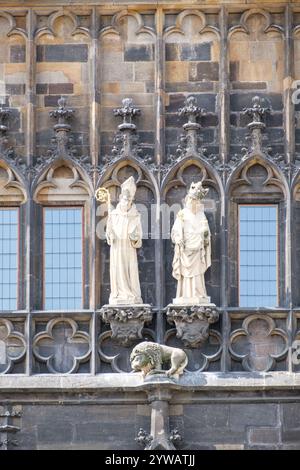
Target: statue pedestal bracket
(192,322)
(126,321)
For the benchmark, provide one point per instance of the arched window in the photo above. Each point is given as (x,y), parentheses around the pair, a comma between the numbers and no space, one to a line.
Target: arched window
(63,214)
(257,216)
(12,196)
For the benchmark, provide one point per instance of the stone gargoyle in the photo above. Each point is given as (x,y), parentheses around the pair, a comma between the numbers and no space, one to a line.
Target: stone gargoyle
(148,357)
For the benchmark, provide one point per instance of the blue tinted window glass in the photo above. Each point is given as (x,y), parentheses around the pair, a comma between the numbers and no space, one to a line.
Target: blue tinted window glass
(258,256)
(63,258)
(8,258)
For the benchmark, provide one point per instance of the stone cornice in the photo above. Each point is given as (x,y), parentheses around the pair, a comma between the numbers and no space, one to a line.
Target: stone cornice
(189,382)
(167,3)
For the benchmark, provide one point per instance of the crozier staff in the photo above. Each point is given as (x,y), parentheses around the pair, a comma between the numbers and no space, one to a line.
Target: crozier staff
(124,235)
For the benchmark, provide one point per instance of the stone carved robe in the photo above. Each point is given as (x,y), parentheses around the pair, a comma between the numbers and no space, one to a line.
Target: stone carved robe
(124,235)
(192,256)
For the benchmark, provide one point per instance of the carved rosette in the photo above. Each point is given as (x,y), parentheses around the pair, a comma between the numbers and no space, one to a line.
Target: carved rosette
(192,323)
(126,322)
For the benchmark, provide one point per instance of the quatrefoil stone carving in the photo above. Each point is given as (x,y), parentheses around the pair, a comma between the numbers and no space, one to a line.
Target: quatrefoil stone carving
(258,344)
(62,347)
(12,346)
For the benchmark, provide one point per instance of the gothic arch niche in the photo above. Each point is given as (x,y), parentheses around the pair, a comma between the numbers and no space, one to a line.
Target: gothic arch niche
(296,240)
(13,76)
(255,182)
(145,200)
(127,65)
(174,192)
(256,51)
(13,194)
(297,77)
(12,190)
(62,69)
(61,185)
(192,52)
(256,54)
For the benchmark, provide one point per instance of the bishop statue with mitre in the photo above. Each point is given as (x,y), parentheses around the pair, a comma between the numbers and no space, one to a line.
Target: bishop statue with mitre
(124,235)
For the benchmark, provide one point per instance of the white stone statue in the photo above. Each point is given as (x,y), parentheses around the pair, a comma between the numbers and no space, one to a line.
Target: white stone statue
(192,256)
(124,235)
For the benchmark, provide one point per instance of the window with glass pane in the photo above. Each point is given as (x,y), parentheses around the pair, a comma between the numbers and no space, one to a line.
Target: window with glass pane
(63,258)
(8,258)
(258,256)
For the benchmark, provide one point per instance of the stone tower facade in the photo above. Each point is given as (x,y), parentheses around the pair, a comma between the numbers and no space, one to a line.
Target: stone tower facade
(212,94)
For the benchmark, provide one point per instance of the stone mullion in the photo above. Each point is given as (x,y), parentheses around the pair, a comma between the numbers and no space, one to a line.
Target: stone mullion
(289,144)
(289,109)
(159,158)
(95,152)
(94,148)
(159,87)
(225,287)
(224,108)
(92,280)
(225,328)
(28,254)
(95,89)
(30,152)
(30,87)
(93,339)
(29,337)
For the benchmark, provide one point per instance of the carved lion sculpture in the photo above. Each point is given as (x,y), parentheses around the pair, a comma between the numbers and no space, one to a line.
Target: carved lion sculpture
(149,357)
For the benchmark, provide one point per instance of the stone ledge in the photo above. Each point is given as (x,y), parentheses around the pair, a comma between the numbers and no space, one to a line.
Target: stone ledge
(134,382)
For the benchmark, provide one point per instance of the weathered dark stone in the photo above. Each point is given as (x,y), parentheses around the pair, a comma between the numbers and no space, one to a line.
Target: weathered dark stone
(291,436)
(264,435)
(41,88)
(239,101)
(61,88)
(204,71)
(47,434)
(62,53)
(138,52)
(233,71)
(275,134)
(51,100)
(204,100)
(249,85)
(15,89)
(17,54)
(189,87)
(189,52)
(210,120)
(252,415)
(238,135)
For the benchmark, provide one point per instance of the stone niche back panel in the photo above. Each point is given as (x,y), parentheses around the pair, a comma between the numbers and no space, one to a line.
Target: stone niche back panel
(177,189)
(256,68)
(191,67)
(297,77)
(144,200)
(13,81)
(127,69)
(62,69)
